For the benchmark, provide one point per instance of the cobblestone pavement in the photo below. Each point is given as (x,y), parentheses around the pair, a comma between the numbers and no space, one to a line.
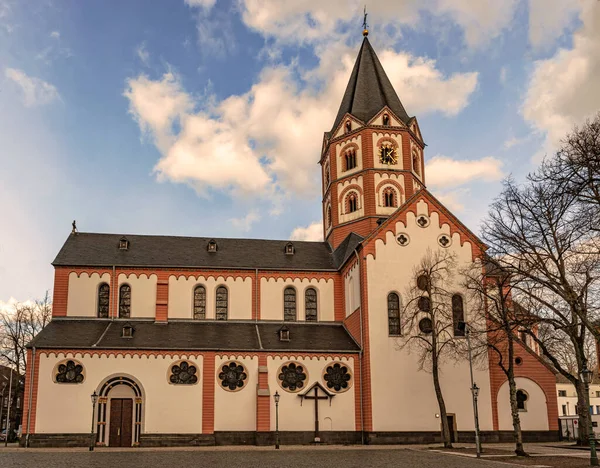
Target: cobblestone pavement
(288,457)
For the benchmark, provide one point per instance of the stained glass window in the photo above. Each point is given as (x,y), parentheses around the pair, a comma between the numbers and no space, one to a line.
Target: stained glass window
(199,302)
(393,314)
(103,300)
(458,314)
(289,304)
(221,303)
(125,301)
(310,304)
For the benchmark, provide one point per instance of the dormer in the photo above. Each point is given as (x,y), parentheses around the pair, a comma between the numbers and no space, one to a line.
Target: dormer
(127,331)
(212,246)
(123,243)
(284,333)
(289,249)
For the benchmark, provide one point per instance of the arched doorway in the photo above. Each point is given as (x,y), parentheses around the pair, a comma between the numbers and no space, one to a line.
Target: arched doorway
(120,412)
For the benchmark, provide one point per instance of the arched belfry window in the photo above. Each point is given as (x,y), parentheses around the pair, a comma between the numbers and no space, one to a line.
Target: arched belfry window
(289,304)
(415,163)
(386,120)
(221,303)
(348,126)
(522,398)
(328,216)
(393,314)
(350,159)
(199,302)
(125,301)
(310,304)
(351,202)
(389,197)
(458,314)
(103,300)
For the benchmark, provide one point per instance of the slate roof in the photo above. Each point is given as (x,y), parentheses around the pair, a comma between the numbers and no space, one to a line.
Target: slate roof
(194,335)
(102,250)
(369,89)
(89,250)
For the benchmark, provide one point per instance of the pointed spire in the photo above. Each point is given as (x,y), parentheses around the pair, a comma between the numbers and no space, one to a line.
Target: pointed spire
(369,89)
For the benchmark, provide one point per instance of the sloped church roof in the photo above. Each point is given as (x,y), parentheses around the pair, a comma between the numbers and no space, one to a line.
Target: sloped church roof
(369,89)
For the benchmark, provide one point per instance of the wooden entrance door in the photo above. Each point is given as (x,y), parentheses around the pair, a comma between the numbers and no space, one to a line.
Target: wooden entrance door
(451,427)
(121,412)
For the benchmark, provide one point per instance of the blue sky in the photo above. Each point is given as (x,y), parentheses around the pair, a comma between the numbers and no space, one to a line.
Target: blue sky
(205,117)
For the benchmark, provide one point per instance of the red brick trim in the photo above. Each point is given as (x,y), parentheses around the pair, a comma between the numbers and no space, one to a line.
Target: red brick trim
(263,402)
(61,292)
(34,395)
(208,394)
(367,405)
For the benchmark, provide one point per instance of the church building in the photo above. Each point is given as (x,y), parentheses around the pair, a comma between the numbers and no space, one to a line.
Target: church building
(166,340)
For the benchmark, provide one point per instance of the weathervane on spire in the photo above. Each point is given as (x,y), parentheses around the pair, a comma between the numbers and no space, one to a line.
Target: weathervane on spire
(365,25)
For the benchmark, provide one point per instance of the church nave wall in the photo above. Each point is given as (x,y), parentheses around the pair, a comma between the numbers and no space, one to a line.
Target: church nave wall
(143,294)
(83,293)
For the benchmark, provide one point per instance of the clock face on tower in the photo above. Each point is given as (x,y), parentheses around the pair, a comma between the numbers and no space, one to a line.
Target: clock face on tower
(387,154)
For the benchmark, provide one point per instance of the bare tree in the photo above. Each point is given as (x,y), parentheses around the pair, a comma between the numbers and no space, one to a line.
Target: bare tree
(490,290)
(428,321)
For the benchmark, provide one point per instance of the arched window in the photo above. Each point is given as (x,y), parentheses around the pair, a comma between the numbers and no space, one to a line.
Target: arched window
(386,120)
(351,202)
(393,314)
(415,163)
(350,159)
(289,304)
(348,126)
(125,301)
(328,216)
(199,302)
(458,314)
(389,197)
(326,175)
(221,303)
(103,300)
(310,304)
(522,398)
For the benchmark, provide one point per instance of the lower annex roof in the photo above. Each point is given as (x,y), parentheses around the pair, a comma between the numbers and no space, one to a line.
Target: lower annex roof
(194,335)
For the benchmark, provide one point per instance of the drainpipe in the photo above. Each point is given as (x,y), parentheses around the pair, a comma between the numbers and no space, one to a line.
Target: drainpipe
(360,361)
(29,399)
(114,293)
(256,293)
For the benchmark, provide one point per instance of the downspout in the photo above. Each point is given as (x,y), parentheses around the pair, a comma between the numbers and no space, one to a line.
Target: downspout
(256,294)
(360,361)
(29,400)
(114,293)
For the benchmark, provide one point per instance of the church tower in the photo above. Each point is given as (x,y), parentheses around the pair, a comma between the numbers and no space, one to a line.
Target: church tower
(372,159)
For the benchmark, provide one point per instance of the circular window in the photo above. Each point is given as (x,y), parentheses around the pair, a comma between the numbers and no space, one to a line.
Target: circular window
(444,240)
(69,372)
(426,325)
(402,239)
(423,221)
(292,376)
(183,373)
(424,304)
(337,377)
(423,282)
(233,376)
(518,361)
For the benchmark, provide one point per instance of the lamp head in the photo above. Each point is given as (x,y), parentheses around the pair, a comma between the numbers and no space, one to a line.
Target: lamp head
(94,397)
(475,390)
(586,376)
(276,397)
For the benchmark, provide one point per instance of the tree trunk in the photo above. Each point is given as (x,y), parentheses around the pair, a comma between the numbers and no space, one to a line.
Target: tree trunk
(442,405)
(514,409)
(584,415)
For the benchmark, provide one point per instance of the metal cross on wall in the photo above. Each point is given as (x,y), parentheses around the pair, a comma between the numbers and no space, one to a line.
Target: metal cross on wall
(317,392)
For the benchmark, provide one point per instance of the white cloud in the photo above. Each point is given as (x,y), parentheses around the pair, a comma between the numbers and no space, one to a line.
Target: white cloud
(503,75)
(451,199)
(9,306)
(445,172)
(55,34)
(312,232)
(143,53)
(206,4)
(36,92)
(513,141)
(245,223)
(548,19)
(214,27)
(563,89)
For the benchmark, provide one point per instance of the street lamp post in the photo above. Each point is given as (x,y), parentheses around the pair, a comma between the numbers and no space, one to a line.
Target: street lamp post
(8,409)
(2,402)
(586,376)
(94,397)
(276,398)
(474,392)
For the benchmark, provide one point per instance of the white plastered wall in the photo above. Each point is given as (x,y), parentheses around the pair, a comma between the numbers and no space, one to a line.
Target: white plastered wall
(271,297)
(82,300)
(143,294)
(342,130)
(339,156)
(181,296)
(352,290)
(167,408)
(393,122)
(397,178)
(300,416)
(536,415)
(394,372)
(236,411)
(343,217)
(398,140)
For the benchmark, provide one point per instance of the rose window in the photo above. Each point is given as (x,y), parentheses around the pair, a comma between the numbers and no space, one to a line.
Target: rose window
(402,239)
(233,376)
(183,373)
(423,221)
(444,240)
(292,377)
(69,372)
(426,325)
(337,377)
